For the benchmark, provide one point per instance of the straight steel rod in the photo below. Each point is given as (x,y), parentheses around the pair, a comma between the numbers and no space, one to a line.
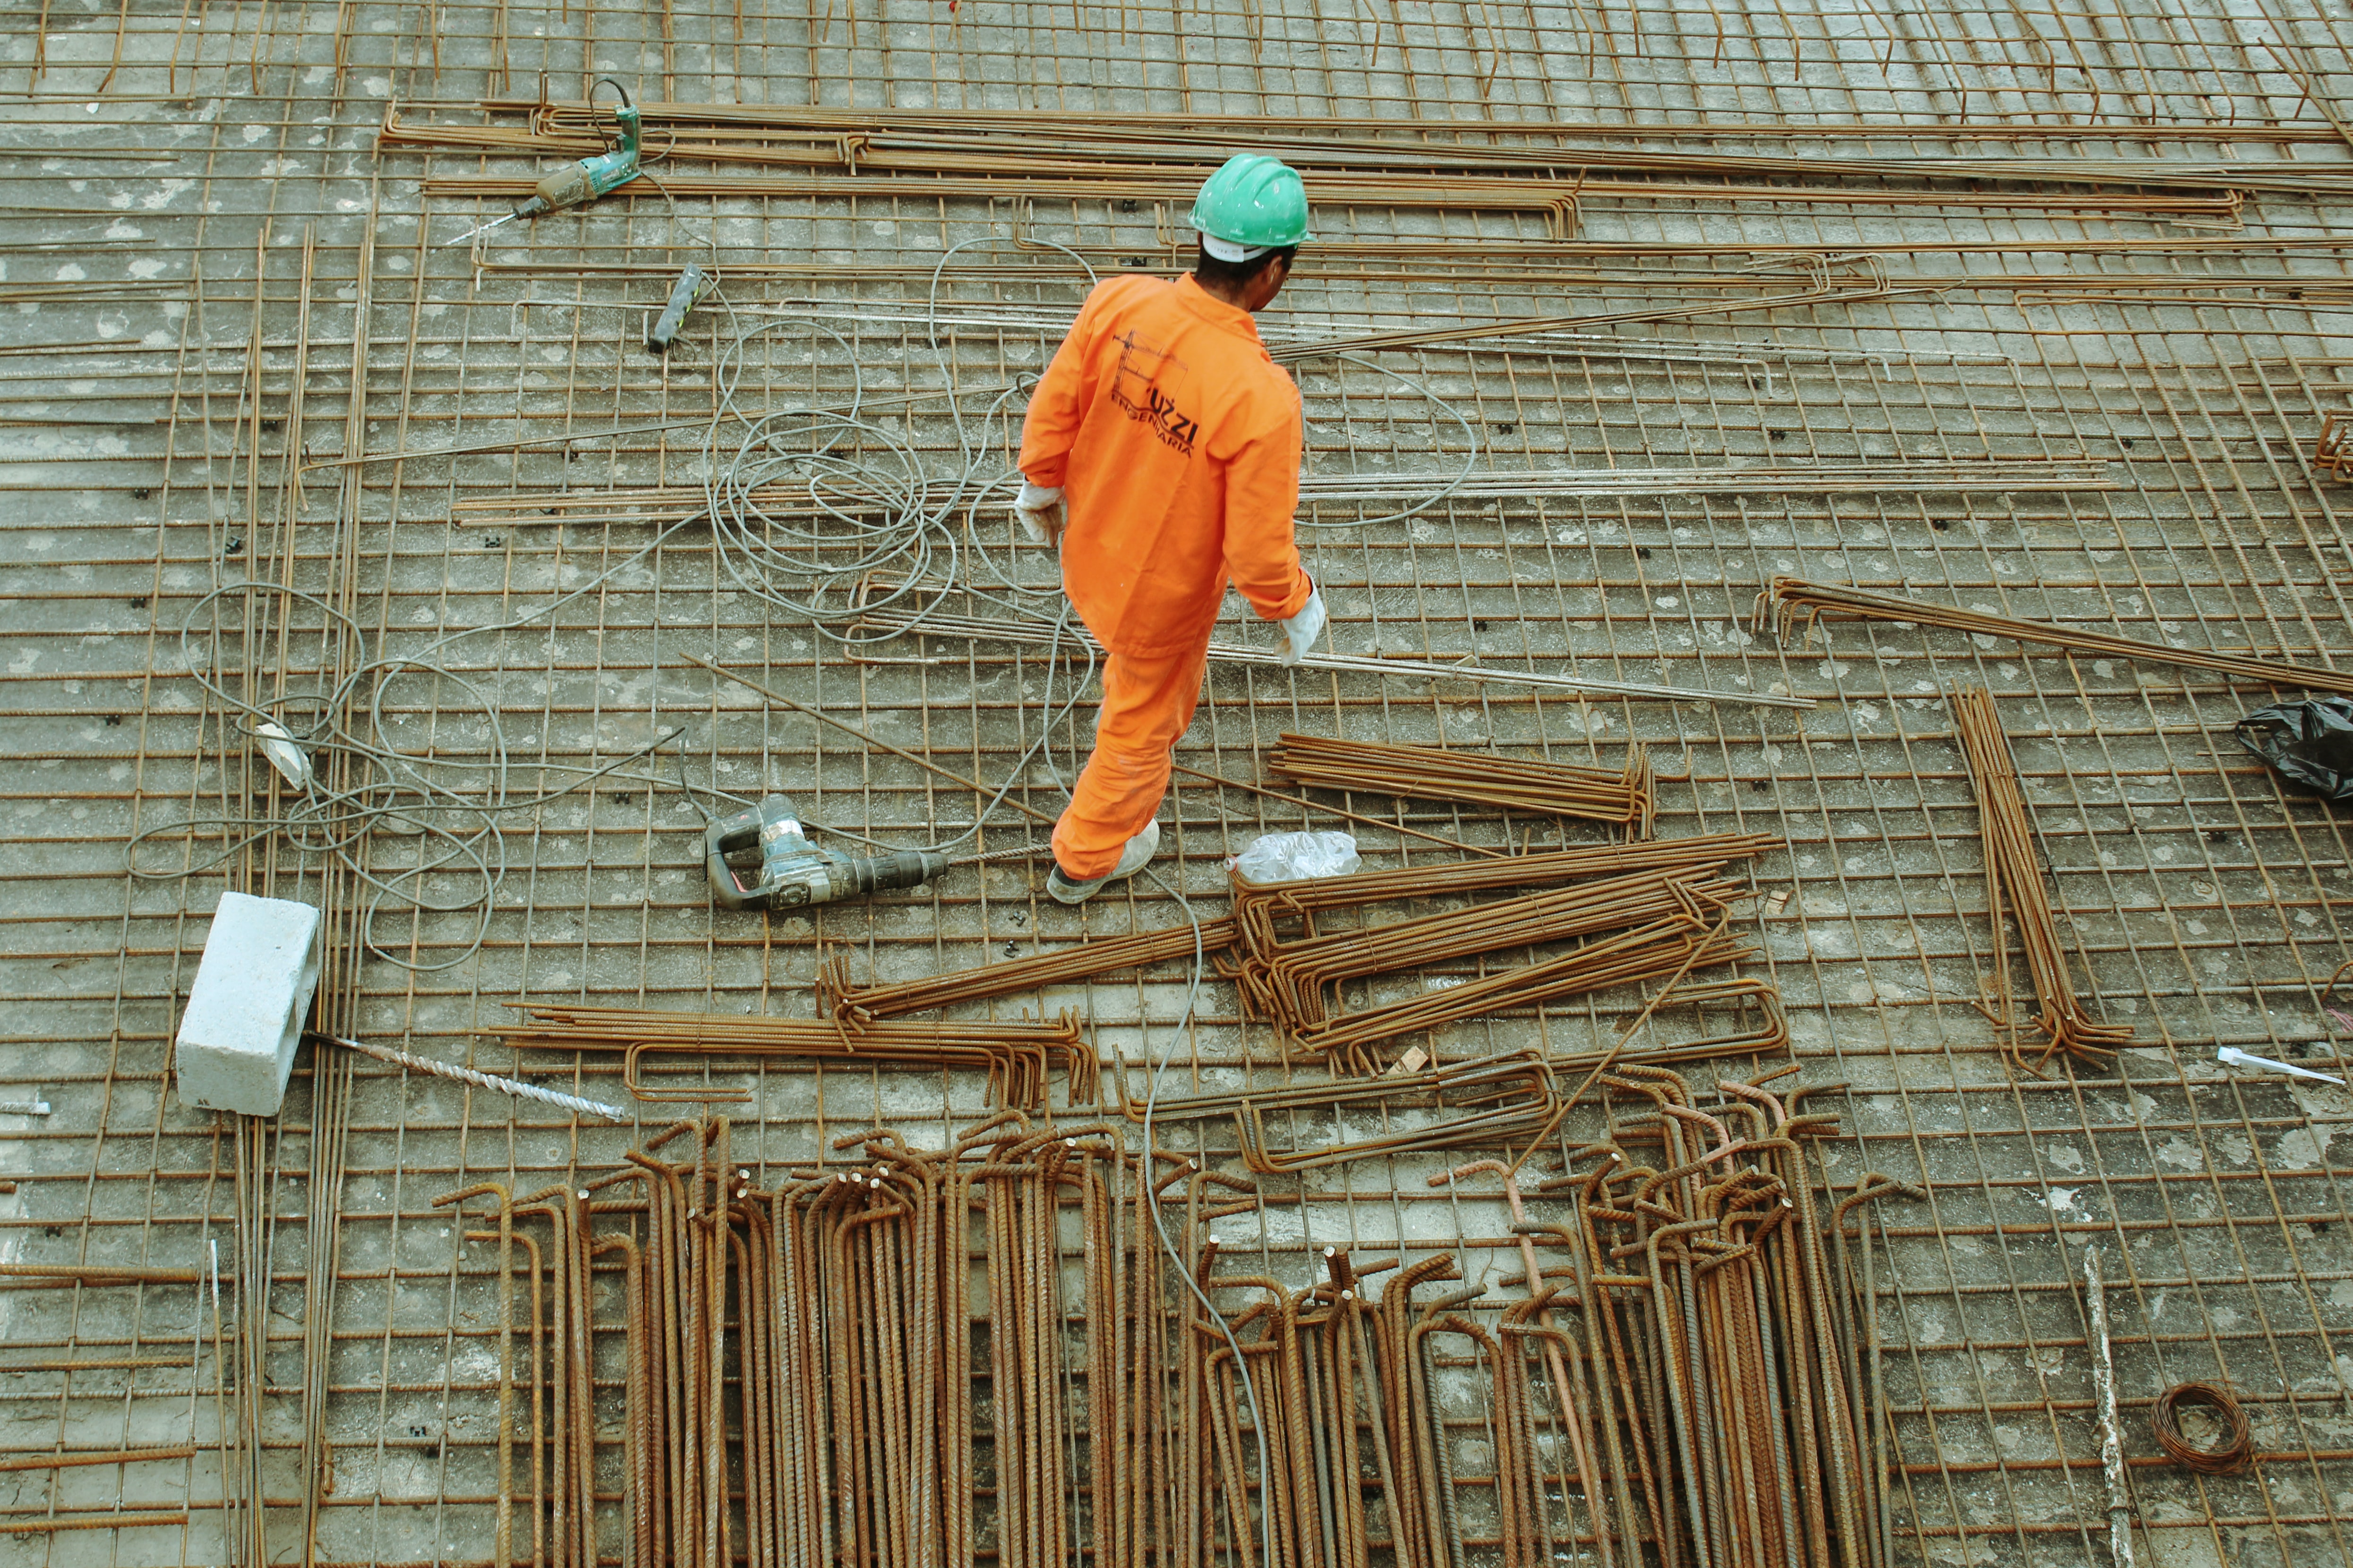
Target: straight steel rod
(1789,603)
(824,718)
(1349,664)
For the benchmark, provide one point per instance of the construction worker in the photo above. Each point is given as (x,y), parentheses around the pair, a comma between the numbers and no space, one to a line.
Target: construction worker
(1162,449)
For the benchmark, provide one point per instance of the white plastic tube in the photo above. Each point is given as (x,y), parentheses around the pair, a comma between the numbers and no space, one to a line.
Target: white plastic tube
(2238,1058)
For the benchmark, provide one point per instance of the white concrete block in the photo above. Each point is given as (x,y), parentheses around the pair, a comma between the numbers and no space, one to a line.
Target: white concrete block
(245,1013)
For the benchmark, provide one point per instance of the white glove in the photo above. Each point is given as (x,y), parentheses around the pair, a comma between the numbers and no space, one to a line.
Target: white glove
(1041,512)
(1300,632)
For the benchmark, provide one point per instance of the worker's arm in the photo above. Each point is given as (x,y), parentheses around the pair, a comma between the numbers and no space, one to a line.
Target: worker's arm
(1261,493)
(1059,404)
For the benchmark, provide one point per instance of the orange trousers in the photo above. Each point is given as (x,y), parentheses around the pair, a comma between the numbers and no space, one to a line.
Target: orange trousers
(1147,705)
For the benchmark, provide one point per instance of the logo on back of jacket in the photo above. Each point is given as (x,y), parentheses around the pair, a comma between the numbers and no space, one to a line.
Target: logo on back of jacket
(1135,388)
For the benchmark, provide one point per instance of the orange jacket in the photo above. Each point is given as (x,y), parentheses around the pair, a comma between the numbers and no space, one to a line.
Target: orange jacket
(1175,440)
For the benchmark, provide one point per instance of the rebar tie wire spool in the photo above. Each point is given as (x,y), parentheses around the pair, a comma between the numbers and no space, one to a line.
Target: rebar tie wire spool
(2236,1450)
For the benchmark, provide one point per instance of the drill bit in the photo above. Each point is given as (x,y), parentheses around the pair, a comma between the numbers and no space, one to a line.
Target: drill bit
(483,229)
(452,1071)
(1022,851)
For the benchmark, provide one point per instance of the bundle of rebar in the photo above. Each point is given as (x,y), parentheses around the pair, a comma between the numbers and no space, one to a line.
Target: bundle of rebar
(917,148)
(861,1340)
(801,1362)
(553,1387)
(1346,1385)
(1476,778)
(1791,603)
(1763,1029)
(1664,888)
(855,1006)
(1295,985)
(1337,1380)
(1639,890)
(1720,1405)
(1018,1056)
(2014,875)
(1498,1101)
(1681,1391)
(1259,906)
(1436,144)
(1663,951)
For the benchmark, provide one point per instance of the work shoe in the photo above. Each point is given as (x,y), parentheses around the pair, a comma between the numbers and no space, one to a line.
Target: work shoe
(1131,859)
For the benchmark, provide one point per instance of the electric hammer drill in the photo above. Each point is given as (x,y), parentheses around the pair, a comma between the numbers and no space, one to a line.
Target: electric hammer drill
(585,180)
(794,871)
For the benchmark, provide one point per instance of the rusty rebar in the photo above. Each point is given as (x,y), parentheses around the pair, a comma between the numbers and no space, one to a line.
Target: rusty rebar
(1621,799)
(2014,874)
(856,1005)
(1018,1056)
(1790,604)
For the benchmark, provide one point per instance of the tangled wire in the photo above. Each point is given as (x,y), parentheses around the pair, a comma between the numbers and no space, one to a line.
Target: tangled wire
(2236,1449)
(826,515)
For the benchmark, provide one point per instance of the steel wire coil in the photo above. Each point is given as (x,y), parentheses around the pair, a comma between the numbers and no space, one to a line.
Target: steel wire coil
(2234,1453)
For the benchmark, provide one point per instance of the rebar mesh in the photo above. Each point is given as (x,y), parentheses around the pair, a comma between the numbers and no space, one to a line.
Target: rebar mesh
(236,357)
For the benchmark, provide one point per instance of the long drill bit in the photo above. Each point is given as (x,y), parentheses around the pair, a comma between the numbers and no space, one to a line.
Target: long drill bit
(457,1074)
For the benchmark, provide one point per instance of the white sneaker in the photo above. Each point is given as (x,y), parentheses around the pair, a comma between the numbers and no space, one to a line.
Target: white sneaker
(1131,859)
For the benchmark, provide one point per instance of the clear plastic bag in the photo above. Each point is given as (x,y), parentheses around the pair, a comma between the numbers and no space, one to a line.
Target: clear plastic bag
(1297,857)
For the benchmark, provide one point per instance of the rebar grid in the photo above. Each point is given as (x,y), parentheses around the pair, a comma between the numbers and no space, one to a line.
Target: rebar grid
(2028,64)
(159,378)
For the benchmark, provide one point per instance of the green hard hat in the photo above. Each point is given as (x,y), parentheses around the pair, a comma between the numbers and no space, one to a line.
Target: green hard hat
(1254,204)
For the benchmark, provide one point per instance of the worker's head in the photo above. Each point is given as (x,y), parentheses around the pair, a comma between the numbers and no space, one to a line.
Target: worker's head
(1251,283)
(1251,215)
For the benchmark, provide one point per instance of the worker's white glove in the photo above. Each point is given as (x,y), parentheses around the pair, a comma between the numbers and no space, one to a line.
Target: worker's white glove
(1041,512)
(1300,632)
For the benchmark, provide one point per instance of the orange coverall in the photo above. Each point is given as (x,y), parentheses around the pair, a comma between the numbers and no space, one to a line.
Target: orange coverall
(1175,440)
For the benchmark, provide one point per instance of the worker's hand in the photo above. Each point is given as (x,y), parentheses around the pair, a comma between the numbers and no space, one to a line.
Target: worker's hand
(1041,512)
(1300,632)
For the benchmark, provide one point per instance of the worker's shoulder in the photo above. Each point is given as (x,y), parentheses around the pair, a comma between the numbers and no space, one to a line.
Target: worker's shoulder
(1256,380)
(1255,369)
(1128,289)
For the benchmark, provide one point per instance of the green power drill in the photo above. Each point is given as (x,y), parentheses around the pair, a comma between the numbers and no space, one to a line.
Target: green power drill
(586,180)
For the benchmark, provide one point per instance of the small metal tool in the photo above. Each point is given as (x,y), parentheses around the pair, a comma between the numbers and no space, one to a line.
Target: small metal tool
(467,1075)
(684,295)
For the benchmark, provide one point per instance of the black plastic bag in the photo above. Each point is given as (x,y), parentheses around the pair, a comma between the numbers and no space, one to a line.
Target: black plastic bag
(2309,742)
